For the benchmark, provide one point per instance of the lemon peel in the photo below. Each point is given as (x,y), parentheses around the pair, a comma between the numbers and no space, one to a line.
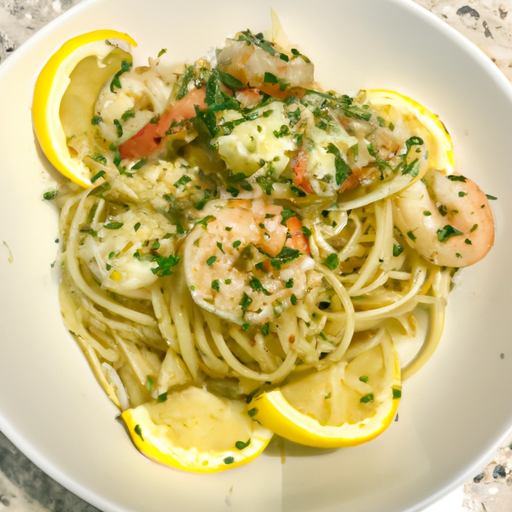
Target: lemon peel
(50,87)
(155,438)
(276,413)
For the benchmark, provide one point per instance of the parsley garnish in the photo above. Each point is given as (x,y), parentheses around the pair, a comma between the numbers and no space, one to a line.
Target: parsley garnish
(125,66)
(119,128)
(448,231)
(244,304)
(162,398)
(138,431)
(286,255)
(164,264)
(182,181)
(98,157)
(205,220)
(52,194)
(139,164)
(97,176)
(455,177)
(256,285)
(128,114)
(343,170)
(367,398)
(240,445)
(113,225)
(331,261)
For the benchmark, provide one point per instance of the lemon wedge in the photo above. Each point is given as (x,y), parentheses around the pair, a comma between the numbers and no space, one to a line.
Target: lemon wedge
(441,147)
(344,405)
(65,93)
(196,431)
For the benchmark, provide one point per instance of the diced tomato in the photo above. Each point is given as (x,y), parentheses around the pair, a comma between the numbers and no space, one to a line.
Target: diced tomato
(298,240)
(149,139)
(299,167)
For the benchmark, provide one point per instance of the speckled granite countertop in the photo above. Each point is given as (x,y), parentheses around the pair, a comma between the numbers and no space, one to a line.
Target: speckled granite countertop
(25,488)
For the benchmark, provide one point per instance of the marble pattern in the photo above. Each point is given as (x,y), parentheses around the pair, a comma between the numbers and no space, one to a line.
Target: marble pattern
(24,487)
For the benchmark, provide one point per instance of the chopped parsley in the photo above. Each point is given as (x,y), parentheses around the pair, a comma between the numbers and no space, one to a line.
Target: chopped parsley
(256,285)
(97,176)
(240,445)
(182,181)
(343,170)
(116,82)
(138,431)
(113,225)
(443,234)
(52,194)
(331,261)
(245,303)
(139,164)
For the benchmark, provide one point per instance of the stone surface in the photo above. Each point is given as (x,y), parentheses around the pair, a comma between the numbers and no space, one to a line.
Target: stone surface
(19,19)
(487,23)
(25,488)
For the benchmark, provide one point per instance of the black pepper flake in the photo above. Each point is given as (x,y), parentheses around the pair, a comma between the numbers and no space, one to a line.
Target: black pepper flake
(502,356)
(478,478)
(499,471)
(396,417)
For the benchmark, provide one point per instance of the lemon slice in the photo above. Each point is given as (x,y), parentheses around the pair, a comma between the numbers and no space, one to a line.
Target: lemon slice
(441,148)
(54,104)
(196,431)
(343,405)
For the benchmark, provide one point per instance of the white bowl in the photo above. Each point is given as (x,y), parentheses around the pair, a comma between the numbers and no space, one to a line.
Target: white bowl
(454,413)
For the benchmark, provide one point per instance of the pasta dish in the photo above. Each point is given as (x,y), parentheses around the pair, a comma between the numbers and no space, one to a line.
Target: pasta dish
(247,253)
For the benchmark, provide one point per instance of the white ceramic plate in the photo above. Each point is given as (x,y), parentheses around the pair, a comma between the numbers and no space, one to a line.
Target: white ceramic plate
(454,413)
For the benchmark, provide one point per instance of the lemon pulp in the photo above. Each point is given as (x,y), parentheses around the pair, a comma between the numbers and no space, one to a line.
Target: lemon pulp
(64,97)
(344,405)
(196,431)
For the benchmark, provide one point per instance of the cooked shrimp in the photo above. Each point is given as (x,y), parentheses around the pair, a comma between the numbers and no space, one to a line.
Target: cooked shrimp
(264,65)
(239,263)
(126,110)
(446,219)
(150,137)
